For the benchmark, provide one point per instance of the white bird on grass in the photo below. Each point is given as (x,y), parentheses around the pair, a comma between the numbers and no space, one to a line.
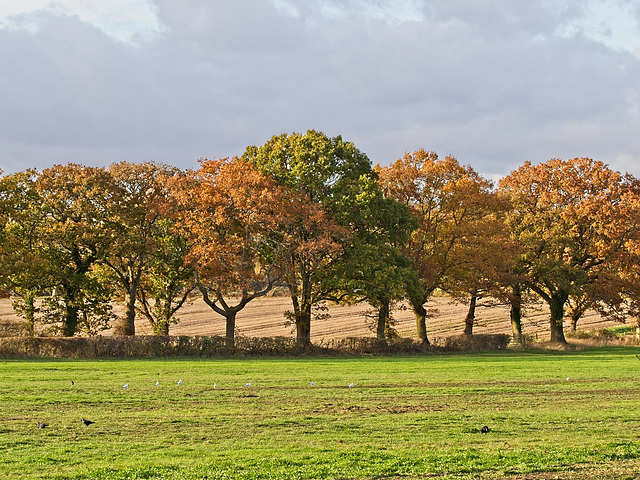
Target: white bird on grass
(351,385)
(247,384)
(215,385)
(180,382)
(157,383)
(313,384)
(126,385)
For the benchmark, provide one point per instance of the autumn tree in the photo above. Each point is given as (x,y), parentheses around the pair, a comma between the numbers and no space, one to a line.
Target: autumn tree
(568,217)
(615,293)
(24,273)
(137,194)
(236,219)
(485,259)
(73,238)
(452,203)
(327,171)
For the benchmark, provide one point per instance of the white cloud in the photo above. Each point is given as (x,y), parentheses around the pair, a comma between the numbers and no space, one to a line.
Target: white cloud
(613,23)
(125,20)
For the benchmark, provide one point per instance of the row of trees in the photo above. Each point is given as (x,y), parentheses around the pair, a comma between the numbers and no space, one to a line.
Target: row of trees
(311,214)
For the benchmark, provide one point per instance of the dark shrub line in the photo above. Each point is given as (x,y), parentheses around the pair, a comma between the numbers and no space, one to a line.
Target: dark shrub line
(216,346)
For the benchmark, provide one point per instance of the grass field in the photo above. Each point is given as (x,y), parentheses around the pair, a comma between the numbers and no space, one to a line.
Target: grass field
(551,415)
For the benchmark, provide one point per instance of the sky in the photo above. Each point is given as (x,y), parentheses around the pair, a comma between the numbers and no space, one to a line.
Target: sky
(493,83)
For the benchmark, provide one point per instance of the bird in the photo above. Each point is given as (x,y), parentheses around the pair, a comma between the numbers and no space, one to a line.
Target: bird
(126,385)
(484,429)
(180,382)
(247,384)
(157,383)
(351,385)
(312,384)
(72,382)
(638,356)
(215,385)
(86,422)
(42,425)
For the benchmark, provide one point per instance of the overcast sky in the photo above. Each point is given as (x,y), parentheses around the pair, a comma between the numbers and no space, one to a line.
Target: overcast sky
(492,82)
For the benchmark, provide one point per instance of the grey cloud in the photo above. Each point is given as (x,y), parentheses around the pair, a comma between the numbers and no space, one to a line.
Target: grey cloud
(494,86)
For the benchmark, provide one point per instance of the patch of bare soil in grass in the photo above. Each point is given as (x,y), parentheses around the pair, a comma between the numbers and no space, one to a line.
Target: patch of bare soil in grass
(624,470)
(265,317)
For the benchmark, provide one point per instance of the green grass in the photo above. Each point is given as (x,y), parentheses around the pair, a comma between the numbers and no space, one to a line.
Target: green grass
(408,417)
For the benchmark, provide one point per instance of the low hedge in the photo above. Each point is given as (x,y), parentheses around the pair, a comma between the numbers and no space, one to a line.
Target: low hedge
(145,346)
(113,347)
(476,343)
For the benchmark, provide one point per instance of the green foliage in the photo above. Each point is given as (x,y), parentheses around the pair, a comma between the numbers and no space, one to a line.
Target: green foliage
(337,177)
(169,278)
(313,163)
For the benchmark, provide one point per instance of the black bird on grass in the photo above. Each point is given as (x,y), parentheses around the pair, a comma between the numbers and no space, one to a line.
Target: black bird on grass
(86,422)
(484,429)
(42,425)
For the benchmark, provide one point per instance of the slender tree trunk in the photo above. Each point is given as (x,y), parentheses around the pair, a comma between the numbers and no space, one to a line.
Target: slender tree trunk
(130,326)
(383,318)
(471,315)
(29,311)
(302,302)
(421,322)
(576,314)
(516,314)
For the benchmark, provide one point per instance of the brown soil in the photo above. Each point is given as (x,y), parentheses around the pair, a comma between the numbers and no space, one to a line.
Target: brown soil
(264,317)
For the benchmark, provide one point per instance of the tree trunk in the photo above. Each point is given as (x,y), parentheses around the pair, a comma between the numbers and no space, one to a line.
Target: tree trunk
(70,321)
(383,318)
(130,310)
(557,316)
(163,317)
(302,317)
(160,327)
(471,315)
(576,314)
(303,327)
(516,314)
(127,325)
(301,299)
(230,331)
(29,312)
(421,322)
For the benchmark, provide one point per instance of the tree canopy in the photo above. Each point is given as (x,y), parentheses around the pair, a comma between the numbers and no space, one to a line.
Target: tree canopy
(309,213)
(571,218)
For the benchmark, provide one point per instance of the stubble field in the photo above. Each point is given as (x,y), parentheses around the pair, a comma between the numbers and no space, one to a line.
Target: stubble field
(265,318)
